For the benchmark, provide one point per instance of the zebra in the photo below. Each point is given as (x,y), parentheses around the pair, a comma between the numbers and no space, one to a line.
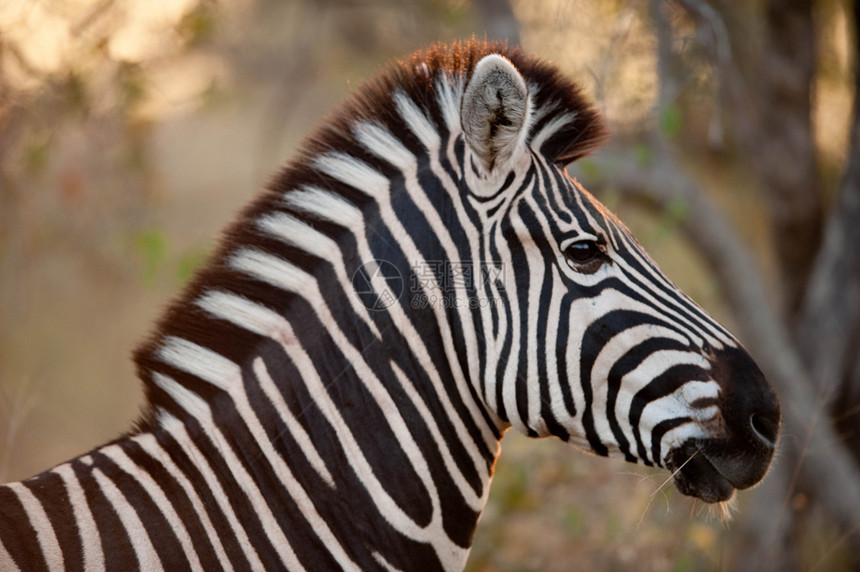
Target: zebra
(330,391)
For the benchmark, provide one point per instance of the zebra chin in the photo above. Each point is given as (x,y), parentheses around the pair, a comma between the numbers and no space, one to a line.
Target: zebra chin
(739,449)
(713,479)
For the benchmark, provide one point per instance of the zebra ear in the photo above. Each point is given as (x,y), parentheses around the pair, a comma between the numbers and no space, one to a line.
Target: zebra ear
(493,111)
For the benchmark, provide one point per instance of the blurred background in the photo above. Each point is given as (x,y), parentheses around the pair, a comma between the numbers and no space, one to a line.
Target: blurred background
(132,131)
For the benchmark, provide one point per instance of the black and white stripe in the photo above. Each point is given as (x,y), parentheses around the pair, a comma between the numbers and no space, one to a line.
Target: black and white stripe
(296,420)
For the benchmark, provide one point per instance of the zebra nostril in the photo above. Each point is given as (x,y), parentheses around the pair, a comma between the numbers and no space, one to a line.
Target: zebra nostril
(766,429)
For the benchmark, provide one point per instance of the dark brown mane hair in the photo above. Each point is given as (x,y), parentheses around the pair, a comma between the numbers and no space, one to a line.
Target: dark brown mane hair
(551,92)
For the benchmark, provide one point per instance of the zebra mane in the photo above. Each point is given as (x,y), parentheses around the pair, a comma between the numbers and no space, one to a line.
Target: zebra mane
(554,98)
(567,124)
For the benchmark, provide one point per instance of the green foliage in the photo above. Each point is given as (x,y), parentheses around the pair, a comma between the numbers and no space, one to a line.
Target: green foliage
(613,527)
(611,198)
(672,217)
(190,262)
(575,522)
(671,120)
(511,489)
(36,154)
(454,12)
(199,26)
(644,154)
(131,83)
(215,96)
(151,247)
(684,562)
(590,170)
(74,94)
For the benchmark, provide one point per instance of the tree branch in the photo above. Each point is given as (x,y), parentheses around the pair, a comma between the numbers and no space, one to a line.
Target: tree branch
(769,101)
(828,326)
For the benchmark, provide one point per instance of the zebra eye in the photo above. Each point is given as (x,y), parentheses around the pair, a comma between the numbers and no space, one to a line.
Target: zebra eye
(582,251)
(584,255)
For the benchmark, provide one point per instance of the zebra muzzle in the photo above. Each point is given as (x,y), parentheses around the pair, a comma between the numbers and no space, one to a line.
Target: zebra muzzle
(703,469)
(696,476)
(739,453)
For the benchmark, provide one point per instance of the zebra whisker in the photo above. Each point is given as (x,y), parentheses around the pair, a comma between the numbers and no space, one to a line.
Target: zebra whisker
(722,512)
(660,488)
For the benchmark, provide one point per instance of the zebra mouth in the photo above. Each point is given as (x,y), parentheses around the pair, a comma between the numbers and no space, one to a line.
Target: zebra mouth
(696,476)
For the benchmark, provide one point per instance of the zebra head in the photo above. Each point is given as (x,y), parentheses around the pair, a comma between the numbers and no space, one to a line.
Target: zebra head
(585,338)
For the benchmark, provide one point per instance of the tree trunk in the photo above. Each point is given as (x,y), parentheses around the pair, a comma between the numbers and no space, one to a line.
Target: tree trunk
(785,145)
(766,91)
(828,325)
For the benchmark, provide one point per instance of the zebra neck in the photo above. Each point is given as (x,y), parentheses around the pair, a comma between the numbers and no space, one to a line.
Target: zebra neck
(317,388)
(285,428)
(205,490)
(363,412)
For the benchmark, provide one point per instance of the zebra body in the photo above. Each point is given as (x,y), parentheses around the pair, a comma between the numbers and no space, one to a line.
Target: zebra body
(330,392)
